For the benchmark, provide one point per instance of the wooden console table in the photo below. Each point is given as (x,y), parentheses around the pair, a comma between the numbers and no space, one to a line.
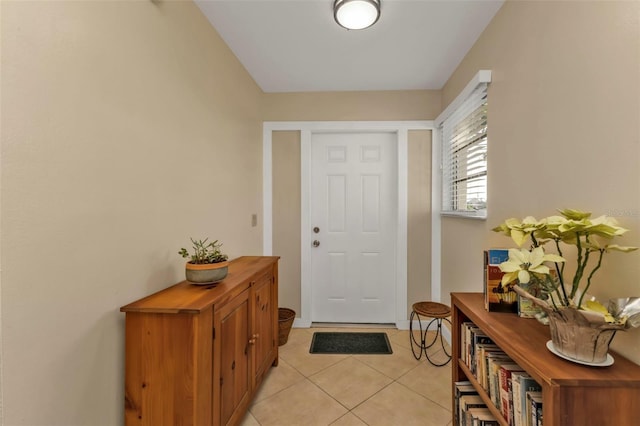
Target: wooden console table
(195,355)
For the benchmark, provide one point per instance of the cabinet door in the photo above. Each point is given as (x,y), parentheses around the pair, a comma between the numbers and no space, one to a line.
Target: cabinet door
(263,321)
(234,359)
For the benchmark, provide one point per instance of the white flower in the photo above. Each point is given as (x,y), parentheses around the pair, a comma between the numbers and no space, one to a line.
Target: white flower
(523,262)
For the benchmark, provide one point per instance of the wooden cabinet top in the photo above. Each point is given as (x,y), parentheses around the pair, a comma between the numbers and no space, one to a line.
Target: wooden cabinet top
(525,339)
(189,298)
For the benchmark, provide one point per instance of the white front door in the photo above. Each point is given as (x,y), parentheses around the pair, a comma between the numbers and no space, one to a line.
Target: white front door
(353,204)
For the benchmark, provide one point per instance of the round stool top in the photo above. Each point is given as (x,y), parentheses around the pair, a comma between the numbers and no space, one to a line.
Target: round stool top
(432,309)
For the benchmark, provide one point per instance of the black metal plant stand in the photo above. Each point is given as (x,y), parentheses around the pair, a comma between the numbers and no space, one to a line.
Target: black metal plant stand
(438,312)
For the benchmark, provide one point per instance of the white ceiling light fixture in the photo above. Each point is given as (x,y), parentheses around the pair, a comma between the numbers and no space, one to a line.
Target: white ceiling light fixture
(356,14)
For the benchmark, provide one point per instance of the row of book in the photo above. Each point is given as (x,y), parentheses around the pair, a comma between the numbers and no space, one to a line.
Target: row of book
(470,409)
(512,390)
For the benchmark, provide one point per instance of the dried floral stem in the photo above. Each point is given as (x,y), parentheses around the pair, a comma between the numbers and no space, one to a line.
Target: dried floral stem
(591,275)
(579,267)
(560,271)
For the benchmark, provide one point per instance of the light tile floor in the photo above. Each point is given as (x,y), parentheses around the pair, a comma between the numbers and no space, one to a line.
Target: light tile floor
(353,390)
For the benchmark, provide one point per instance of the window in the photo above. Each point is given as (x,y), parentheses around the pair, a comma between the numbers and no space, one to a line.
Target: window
(463,130)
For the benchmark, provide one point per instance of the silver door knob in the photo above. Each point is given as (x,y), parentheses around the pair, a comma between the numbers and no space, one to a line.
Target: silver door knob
(316,243)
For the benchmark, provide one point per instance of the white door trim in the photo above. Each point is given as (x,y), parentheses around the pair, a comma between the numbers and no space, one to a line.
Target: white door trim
(306,128)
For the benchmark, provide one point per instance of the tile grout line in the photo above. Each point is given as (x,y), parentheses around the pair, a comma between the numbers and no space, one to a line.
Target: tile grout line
(400,348)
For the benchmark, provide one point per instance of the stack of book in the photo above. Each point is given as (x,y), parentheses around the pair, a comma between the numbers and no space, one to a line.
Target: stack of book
(534,409)
(472,340)
(497,298)
(511,390)
(470,409)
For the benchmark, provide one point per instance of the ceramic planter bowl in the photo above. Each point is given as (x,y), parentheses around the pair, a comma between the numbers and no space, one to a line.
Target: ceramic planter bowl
(206,273)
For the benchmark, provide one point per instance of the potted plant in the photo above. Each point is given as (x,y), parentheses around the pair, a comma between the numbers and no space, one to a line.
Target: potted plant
(581,327)
(207,264)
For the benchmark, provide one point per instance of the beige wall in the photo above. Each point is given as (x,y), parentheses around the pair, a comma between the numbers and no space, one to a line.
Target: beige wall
(342,106)
(286,216)
(127,127)
(564,108)
(353,106)
(419,218)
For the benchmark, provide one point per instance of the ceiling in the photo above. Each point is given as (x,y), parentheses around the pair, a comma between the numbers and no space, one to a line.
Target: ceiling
(296,46)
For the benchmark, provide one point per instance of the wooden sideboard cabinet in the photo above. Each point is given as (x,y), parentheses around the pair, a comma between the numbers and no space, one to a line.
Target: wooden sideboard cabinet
(572,394)
(195,355)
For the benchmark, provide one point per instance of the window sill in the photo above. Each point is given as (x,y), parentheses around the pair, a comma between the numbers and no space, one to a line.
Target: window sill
(464,215)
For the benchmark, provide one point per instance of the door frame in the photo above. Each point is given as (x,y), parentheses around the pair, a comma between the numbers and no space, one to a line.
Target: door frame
(306,129)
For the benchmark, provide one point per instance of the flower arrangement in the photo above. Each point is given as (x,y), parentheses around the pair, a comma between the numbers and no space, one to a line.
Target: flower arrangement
(545,272)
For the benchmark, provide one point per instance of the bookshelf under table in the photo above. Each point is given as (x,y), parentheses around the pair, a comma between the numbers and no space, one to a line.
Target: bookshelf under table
(573,394)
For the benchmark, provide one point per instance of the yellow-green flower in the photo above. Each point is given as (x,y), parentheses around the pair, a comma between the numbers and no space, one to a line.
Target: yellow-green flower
(616,247)
(572,227)
(523,262)
(606,227)
(520,231)
(575,214)
(599,308)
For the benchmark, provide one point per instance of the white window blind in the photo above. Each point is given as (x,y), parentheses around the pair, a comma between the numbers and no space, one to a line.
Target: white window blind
(464,157)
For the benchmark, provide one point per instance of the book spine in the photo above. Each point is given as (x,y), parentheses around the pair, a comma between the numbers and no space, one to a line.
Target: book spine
(517,402)
(485,284)
(510,399)
(528,384)
(504,395)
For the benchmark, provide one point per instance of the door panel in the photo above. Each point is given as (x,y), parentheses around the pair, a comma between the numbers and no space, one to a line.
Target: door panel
(264,338)
(370,203)
(337,203)
(234,358)
(354,203)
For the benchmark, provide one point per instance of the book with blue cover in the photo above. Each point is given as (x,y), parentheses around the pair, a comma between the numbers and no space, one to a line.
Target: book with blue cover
(497,298)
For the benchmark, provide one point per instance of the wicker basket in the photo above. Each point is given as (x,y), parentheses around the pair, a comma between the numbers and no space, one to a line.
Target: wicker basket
(285,321)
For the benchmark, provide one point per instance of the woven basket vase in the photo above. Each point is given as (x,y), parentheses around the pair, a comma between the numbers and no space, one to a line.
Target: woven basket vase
(573,336)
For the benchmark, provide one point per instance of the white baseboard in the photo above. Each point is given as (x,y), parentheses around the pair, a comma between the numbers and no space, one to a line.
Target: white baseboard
(299,323)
